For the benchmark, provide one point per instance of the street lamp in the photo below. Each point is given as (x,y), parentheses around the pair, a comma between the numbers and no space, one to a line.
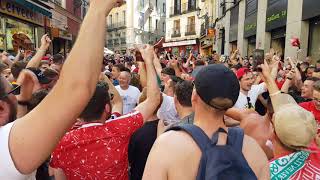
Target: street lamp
(199,13)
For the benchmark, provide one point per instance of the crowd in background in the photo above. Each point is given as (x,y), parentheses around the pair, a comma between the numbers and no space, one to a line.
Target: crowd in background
(150,114)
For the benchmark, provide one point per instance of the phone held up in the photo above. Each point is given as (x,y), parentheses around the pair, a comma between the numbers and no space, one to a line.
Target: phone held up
(258,59)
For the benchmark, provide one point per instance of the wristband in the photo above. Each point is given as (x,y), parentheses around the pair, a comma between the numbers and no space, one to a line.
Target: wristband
(276,93)
(23,103)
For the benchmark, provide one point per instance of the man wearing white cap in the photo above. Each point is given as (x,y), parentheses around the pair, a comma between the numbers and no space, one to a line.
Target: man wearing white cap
(296,155)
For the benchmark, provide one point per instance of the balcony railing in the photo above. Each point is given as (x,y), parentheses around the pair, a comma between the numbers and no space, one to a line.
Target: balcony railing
(116,42)
(204,28)
(175,11)
(188,7)
(190,30)
(176,33)
(114,26)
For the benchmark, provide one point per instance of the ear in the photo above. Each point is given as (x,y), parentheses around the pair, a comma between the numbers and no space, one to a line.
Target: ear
(194,97)
(107,109)
(4,112)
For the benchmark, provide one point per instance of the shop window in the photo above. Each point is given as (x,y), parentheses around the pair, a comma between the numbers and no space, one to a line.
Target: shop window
(19,34)
(314,39)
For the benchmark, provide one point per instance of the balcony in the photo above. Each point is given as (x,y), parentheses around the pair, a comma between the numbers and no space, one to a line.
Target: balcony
(190,30)
(116,26)
(175,11)
(176,33)
(188,7)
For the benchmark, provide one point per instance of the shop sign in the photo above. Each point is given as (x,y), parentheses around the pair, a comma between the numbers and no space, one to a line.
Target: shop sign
(12,9)
(59,21)
(211,32)
(276,14)
(180,43)
(65,35)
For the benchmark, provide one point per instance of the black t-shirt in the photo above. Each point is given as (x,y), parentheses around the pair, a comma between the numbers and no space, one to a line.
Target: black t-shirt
(139,148)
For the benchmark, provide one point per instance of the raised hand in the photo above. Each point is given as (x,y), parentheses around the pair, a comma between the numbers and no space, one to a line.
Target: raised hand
(45,42)
(147,53)
(105,5)
(29,83)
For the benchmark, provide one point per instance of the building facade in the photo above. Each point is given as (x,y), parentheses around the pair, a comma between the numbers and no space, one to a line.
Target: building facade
(263,24)
(22,23)
(67,16)
(136,21)
(190,27)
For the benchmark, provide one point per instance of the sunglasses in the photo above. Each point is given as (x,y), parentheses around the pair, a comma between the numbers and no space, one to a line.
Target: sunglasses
(14,91)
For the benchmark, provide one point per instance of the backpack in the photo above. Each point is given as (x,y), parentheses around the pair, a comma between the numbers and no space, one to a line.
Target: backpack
(220,162)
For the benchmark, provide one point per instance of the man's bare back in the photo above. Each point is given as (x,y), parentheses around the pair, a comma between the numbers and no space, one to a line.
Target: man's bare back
(176,156)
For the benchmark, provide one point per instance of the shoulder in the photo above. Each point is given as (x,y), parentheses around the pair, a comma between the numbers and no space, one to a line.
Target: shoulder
(118,87)
(254,155)
(306,104)
(133,88)
(176,142)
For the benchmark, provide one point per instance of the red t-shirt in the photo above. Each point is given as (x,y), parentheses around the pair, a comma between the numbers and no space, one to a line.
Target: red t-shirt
(96,150)
(310,106)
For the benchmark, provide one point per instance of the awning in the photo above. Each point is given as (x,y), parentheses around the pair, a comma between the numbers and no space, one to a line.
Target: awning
(35,7)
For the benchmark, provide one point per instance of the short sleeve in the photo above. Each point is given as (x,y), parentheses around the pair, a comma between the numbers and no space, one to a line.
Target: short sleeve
(8,169)
(261,88)
(127,124)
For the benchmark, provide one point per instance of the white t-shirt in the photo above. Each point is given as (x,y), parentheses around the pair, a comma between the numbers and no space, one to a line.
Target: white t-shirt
(130,98)
(256,90)
(167,111)
(7,167)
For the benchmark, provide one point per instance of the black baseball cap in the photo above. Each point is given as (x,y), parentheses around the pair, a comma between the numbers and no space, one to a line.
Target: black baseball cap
(41,77)
(217,81)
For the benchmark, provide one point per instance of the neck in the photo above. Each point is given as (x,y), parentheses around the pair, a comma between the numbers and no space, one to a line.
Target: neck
(279,150)
(209,121)
(184,112)
(125,87)
(244,92)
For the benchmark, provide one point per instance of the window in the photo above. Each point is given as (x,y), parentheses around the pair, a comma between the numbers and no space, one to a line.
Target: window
(117,18)
(110,20)
(191,24)
(150,24)
(176,29)
(157,24)
(164,7)
(156,4)
(124,16)
(163,27)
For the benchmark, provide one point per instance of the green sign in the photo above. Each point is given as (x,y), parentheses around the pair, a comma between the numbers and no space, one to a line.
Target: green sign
(249,27)
(277,16)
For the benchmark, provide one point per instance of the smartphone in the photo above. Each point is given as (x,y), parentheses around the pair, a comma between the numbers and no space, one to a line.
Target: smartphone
(258,59)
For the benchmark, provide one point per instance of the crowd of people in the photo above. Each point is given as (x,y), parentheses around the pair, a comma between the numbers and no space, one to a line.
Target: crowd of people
(158,116)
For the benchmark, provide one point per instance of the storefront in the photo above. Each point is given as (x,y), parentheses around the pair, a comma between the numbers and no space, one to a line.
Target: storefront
(206,43)
(20,27)
(311,13)
(276,23)
(62,39)
(250,25)
(182,47)
(233,34)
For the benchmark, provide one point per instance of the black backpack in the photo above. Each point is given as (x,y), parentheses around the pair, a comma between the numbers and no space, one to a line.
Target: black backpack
(220,162)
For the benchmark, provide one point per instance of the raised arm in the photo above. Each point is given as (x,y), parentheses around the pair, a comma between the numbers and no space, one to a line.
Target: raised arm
(34,136)
(143,74)
(157,65)
(237,114)
(148,107)
(36,59)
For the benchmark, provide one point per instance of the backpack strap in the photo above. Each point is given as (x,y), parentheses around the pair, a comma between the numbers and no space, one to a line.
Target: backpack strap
(195,132)
(235,138)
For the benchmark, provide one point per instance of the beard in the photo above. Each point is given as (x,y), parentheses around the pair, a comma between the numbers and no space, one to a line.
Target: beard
(13,112)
